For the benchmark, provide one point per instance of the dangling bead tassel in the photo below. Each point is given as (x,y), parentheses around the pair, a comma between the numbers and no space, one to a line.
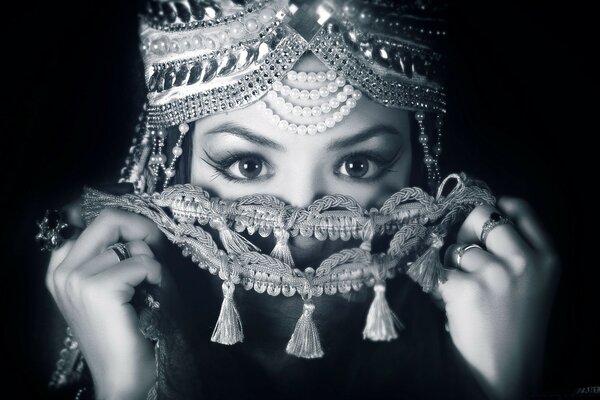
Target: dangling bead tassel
(228,329)
(281,249)
(305,341)
(381,320)
(427,270)
(232,241)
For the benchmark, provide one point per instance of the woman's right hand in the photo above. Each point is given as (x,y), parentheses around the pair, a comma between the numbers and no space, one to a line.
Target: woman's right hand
(93,291)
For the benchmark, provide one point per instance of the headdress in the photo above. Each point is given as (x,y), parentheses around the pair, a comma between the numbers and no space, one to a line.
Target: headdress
(205,58)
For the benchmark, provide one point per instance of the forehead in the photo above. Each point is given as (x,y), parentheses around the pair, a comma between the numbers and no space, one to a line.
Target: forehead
(366,115)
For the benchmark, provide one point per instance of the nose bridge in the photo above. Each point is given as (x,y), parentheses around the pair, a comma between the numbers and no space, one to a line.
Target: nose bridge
(303,187)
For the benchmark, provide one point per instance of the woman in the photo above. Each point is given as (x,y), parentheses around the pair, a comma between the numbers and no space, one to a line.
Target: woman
(282,136)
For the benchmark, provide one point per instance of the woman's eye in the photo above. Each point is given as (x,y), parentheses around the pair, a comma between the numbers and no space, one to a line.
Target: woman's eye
(357,167)
(247,168)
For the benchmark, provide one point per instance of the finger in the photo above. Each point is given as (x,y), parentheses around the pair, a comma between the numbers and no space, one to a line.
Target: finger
(452,286)
(109,258)
(527,222)
(109,227)
(472,259)
(57,256)
(503,240)
(122,278)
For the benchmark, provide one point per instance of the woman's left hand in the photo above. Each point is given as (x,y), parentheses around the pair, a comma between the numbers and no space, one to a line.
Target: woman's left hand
(498,300)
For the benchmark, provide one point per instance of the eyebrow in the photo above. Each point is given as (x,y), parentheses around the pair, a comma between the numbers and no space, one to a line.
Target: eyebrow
(366,134)
(247,134)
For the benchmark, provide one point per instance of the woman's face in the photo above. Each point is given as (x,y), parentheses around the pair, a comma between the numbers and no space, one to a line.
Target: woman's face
(366,156)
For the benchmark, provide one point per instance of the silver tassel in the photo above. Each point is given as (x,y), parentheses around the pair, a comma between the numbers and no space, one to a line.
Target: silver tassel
(228,329)
(305,342)
(232,241)
(281,250)
(381,320)
(428,270)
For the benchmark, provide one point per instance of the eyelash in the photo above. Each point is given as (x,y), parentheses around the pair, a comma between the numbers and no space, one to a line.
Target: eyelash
(221,166)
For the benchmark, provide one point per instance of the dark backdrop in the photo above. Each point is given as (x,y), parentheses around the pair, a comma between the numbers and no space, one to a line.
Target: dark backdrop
(74,90)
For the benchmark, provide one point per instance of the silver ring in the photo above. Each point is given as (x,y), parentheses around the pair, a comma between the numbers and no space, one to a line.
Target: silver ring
(495,219)
(121,251)
(460,252)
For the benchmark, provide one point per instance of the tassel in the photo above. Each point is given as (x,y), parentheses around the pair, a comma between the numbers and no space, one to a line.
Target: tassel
(305,341)
(427,270)
(381,320)
(281,249)
(229,326)
(232,241)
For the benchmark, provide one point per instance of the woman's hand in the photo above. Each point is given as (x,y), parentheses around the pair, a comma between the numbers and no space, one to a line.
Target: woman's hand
(93,291)
(498,300)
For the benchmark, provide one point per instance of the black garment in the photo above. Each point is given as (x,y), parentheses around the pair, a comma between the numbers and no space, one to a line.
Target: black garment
(422,363)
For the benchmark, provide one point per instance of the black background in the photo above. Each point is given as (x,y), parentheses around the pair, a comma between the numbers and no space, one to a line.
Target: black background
(74,89)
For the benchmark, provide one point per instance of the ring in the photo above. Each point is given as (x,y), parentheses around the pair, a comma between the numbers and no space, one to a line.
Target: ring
(495,219)
(460,252)
(121,251)
(53,230)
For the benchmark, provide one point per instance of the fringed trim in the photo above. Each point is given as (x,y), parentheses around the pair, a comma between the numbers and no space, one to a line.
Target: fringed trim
(232,241)
(381,320)
(281,249)
(428,270)
(305,342)
(228,329)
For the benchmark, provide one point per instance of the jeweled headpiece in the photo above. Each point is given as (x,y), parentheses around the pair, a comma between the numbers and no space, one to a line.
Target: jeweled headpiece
(203,58)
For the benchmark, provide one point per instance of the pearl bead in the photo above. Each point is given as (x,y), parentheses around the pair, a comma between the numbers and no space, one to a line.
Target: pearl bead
(236,29)
(332,87)
(357,94)
(306,112)
(280,101)
(251,25)
(321,76)
(297,110)
(316,111)
(345,110)
(295,93)
(277,85)
(268,112)
(152,159)
(325,108)
(334,103)
(161,133)
(341,97)
(261,105)
(177,151)
(323,91)
(223,37)
(302,76)
(321,127)
(184,128)
(266,15)
(209,43)
(315,95)
(311,77)
(340,81)
(348,89)
(304,95)
(331,75)
(292,128)
(330,122)
(428,160)
(311,129)
(283,124)
(169,172)
(275,118)
(351,103)
(289,107)
(423,139)
(302,130)
(292,75)
(271,95)
(175,47)
(160,45)
(437,149)
(338,117)
(419,115)
(285,90)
